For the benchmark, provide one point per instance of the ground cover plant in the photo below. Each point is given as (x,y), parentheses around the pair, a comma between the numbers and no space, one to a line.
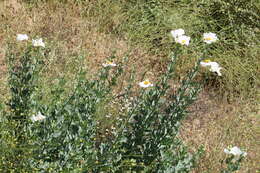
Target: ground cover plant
(97,107)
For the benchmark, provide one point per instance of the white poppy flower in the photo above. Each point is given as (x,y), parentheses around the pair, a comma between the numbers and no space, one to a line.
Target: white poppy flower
(38,43)
(109,64)
(205,63)
(235,151)
(113,128)
(38,117)
(178,32)
(210,37)
(183,40)
(214,66)
(108,116)
(21,37)
(145,84)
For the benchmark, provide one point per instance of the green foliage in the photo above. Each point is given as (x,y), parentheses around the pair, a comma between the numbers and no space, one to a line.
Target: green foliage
(71,138)
(236,23)
(230,15)
(23,76)
(68,137)
(233,163)
(147,140)
(22,79)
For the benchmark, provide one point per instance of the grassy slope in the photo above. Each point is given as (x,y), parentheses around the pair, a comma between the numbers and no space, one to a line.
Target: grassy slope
(214,123)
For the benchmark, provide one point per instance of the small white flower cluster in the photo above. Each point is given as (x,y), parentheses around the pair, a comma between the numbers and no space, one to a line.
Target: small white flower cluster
(182,39)
(235,151)
(38,117)
(38,43)
(127,105)
(179,37)
(35,43)
(143,84)
(22,37)
(108,64)
(210,37)
(214,66)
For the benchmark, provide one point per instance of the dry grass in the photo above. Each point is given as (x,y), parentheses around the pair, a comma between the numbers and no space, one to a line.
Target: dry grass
(62,26)
(216,124)
(213,123)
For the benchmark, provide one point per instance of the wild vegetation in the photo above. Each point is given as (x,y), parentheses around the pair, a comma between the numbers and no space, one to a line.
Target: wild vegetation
(117,86)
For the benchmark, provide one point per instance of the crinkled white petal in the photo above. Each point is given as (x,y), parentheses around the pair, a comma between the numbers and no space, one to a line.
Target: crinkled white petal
(210,37)
(215,64)
(38,117)
(235,151)
(215,68)
(144,85)
(21,37)
(244,154)
(108,64)
(205,64)
(183,40)
(178,32)
(226,151)
(38,43)
(33,118)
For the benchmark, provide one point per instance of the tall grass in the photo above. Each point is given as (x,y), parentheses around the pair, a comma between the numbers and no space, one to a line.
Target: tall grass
(146,22)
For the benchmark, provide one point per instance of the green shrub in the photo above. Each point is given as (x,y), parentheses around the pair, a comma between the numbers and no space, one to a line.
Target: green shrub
(22,79)
(67,137)
(147,139)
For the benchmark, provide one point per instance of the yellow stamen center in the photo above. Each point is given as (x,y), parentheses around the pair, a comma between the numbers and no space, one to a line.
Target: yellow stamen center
(183,41)
(147,82)
(208,38)
(207,60)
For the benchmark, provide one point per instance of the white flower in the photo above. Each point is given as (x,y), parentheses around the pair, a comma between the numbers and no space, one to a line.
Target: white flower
(205,63)
(235,151)
(145,84)
(38,117)
(38,42)
(183,40)
(108,116)
(113,128)
(210,37)
(178,32)
(21,37)
(109,64)
(214,66)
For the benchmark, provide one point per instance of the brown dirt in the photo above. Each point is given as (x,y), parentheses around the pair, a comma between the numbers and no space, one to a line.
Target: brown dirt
(217,125)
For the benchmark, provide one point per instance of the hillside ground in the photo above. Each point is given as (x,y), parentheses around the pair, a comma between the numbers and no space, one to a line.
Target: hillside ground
(217,119)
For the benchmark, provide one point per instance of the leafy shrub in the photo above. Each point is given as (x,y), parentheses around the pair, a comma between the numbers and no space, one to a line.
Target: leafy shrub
(147,140)
(67,136)
(23,76)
